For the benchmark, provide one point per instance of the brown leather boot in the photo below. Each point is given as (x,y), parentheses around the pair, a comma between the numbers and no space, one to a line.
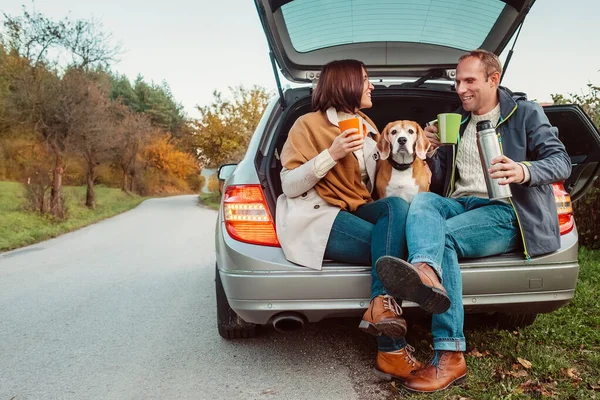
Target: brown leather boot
(419,283)
(383,317)
(398,364)
(451,367)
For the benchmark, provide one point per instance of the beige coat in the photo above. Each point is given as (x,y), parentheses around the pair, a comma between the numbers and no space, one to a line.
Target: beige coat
(304,219)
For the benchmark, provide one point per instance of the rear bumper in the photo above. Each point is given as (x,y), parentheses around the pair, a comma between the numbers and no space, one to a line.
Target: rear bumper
(260,283)
(257,297)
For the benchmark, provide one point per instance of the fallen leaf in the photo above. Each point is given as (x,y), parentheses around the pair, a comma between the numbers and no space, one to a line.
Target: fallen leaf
(499,355)
(594,388)
(524,362)
(570,373)
(516,366)
(475,353)
(518,374)
(536,387)
(501,373)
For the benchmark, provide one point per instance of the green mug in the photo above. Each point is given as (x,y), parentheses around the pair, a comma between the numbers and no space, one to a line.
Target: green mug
(448,127)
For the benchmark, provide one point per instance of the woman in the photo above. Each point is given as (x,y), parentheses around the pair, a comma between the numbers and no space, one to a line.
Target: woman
(326,209)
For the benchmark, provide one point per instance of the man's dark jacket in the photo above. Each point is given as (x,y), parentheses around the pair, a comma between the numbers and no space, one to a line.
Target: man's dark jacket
(526,136)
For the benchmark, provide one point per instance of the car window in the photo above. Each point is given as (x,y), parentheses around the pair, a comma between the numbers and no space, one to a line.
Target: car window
(462,24)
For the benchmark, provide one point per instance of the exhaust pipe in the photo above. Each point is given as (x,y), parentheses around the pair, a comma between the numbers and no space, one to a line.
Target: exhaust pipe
(288,322)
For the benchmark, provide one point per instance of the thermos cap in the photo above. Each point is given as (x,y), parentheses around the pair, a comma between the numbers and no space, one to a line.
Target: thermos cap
(483,125)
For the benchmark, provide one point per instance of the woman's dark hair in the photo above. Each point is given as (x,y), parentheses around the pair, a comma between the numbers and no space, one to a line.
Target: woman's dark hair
(340,86)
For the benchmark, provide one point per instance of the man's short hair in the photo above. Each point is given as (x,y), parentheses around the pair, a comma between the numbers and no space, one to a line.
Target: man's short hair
(490,61)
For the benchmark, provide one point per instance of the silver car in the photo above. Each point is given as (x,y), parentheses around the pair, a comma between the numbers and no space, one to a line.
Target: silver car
(411,51)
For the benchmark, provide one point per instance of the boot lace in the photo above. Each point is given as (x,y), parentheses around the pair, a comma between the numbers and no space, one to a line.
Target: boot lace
(408,355)
(389,303)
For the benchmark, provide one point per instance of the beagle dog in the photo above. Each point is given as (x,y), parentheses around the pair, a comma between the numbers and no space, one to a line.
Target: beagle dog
(401,169)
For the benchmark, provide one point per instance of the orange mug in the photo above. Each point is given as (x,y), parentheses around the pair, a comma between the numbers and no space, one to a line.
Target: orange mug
(354,123)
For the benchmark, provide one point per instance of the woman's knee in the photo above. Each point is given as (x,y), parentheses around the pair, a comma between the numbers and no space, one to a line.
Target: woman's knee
(397,203)
(425,200)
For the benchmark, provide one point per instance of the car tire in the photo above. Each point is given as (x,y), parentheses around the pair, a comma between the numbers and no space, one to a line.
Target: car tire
(230,325)
(515,321)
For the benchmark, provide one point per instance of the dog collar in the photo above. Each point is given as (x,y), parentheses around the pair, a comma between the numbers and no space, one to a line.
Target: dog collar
(398,166)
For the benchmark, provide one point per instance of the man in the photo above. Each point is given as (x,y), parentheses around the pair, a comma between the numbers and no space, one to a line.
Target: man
(465,223)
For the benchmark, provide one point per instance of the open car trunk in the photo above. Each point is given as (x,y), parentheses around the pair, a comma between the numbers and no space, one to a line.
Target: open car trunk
(576,131)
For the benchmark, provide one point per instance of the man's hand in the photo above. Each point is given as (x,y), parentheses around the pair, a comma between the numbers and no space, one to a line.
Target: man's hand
(431,133)
(506,171)
(347,142)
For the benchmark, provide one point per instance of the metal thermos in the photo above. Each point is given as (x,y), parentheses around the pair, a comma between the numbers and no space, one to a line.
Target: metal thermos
(489,148)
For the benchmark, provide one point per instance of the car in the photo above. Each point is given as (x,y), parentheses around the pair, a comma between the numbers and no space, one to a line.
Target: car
(412,64)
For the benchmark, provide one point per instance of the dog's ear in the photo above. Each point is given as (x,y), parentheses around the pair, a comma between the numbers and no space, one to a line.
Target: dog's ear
(383,144)
(423,143)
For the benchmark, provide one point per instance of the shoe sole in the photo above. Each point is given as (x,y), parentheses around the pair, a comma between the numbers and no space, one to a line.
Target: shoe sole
(393,329)
(402,281)
(385,376)
(458,381)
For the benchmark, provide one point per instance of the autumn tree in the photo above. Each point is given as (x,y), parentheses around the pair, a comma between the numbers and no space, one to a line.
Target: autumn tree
(38,99)
(132,131)
(91,123)
(39,96)
(32,35)
(35,36)
(224,129)
(213,183)
(171,166)
(162,155)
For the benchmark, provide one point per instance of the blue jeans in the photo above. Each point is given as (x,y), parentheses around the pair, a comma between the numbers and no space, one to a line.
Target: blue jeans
(441,230)
(373,230)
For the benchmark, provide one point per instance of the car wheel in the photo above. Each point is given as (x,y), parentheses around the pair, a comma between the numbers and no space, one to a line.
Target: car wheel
(230,325)
(515,321)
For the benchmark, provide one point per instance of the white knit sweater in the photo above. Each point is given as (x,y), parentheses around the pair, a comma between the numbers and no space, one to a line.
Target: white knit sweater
(471,181)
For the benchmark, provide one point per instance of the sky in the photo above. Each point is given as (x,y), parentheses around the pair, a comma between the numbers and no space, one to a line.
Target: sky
(201,46)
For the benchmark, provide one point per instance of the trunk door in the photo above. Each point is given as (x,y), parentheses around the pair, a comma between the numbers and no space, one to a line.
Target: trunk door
(582,141)
(404,38)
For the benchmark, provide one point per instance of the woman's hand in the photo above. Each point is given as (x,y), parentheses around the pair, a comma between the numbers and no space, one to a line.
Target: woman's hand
(347,142)
(506,170)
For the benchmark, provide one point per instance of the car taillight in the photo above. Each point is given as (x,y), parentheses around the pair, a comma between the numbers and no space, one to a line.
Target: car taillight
(247,217)
(566,221)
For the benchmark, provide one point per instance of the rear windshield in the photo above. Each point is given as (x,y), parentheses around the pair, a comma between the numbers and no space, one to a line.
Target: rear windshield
(461,24)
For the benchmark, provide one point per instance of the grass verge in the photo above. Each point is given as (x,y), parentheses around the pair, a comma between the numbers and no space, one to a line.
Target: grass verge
(20,228)
(558,357)
(210,200)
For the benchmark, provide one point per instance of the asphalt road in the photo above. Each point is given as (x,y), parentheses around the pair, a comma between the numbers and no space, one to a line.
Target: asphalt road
(125,309)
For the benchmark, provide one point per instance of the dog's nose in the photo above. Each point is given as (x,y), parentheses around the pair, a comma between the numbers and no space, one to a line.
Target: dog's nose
(402,140)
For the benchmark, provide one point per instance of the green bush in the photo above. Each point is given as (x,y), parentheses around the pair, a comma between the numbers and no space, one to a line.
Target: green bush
(587,217)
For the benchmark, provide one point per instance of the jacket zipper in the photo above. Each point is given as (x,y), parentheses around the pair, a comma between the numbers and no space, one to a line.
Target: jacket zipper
(454,153)
(510,199)
(451,186)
